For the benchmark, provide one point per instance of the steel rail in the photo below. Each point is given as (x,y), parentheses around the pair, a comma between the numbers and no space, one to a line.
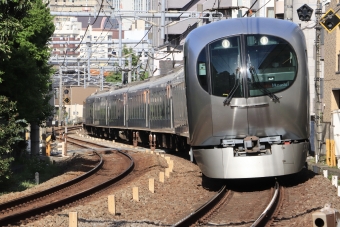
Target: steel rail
(27,214)
(24,199)
(195,216)
(266,214)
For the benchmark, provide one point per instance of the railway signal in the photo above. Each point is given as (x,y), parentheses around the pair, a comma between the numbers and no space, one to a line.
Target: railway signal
(330,20)
(66,100)
(305,12)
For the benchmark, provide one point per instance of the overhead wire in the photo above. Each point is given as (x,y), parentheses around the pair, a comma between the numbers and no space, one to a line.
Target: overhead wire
(263,5)
(97,44)
(179,37)
(170,41)
(88,27)
(100,37)
(63,63)
(250,8)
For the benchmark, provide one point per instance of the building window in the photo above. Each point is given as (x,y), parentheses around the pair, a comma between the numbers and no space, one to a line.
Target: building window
(280,16)
(270,12)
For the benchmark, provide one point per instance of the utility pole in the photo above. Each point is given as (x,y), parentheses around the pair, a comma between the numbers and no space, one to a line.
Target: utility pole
(101,78)
(200,10)
(163,20)
(60,93)
(88,59)
(84,76)
(78,72)
(288,10)
(120,48)
(130,68)
(318,126)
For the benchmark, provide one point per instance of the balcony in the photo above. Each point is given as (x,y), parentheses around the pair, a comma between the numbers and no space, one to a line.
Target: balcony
(279,7)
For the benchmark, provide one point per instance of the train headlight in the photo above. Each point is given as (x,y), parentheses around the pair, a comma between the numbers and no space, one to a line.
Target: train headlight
(226,43)
(264,40)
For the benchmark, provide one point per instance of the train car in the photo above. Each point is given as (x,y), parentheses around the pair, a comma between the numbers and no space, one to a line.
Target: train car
(153,112)
(247,96)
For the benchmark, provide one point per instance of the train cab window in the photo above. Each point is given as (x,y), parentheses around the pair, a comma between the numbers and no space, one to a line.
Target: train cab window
(271,64)
(225,67)
(202,70)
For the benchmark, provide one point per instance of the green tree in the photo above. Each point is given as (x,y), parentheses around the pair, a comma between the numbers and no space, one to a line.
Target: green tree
(25,28)
(114,77)
(129,51)
(11,13)
(26,74)
(117,76)
(11,131)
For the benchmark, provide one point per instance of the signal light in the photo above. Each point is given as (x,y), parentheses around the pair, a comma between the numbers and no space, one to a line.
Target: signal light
(330,20)
(305,12)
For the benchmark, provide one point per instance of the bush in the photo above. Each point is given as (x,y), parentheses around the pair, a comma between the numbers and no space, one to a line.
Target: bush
(5,171)
(24,175)
(11,130)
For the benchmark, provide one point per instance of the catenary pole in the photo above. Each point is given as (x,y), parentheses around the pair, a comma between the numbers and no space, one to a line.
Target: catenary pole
(60,94)
(318,127)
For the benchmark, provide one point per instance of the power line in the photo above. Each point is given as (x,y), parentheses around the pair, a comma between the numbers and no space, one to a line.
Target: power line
(84,33)
(249,8)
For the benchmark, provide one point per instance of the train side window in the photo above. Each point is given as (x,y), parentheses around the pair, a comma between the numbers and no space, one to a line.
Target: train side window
(202,70)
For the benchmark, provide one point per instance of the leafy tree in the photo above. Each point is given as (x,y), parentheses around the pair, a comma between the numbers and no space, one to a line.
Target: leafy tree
(117,76)
(114,77)
(129,51)
(11,131)
(26,74)
(25,28)
(11,13)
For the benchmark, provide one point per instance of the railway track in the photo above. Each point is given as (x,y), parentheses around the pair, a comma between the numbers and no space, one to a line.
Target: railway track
(83,143)
(229,208)
(25,209)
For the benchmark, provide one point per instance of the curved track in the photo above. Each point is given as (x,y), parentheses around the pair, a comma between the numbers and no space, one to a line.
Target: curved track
(34,206)
(229,208)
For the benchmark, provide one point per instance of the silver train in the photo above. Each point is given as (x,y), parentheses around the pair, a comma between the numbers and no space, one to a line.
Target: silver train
(241,105)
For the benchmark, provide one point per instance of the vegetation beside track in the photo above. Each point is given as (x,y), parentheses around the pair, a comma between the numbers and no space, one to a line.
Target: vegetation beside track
(23,173)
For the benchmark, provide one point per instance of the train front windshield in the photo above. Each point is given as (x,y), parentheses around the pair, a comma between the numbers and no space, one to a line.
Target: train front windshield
(248,66)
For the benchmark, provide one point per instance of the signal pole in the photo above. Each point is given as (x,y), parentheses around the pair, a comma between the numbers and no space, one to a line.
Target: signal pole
(317,106)
(60,93)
